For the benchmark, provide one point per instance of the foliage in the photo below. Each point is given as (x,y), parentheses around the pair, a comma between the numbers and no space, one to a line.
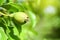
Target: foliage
(43,17)
(11,29)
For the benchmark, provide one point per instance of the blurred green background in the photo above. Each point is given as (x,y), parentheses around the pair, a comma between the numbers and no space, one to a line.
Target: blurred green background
(43,24)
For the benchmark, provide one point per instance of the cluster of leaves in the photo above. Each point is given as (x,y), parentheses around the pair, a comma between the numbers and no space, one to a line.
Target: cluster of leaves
(9,30)
(47,12)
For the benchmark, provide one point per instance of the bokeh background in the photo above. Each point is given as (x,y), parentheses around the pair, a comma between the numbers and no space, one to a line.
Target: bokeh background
(44,18)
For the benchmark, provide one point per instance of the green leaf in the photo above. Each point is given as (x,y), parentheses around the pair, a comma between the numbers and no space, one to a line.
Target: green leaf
(17,6)
(15,37)
(3,36)
(12,1)
(32,17)
(2,2)
(10,8)
(17,25)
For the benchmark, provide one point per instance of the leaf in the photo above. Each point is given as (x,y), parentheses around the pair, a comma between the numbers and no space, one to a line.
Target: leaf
(17,25)
(17,6)
(27,35)
(15,37)
(12,1)
(3,36)
(32,17)
(2,2)
(10,8)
